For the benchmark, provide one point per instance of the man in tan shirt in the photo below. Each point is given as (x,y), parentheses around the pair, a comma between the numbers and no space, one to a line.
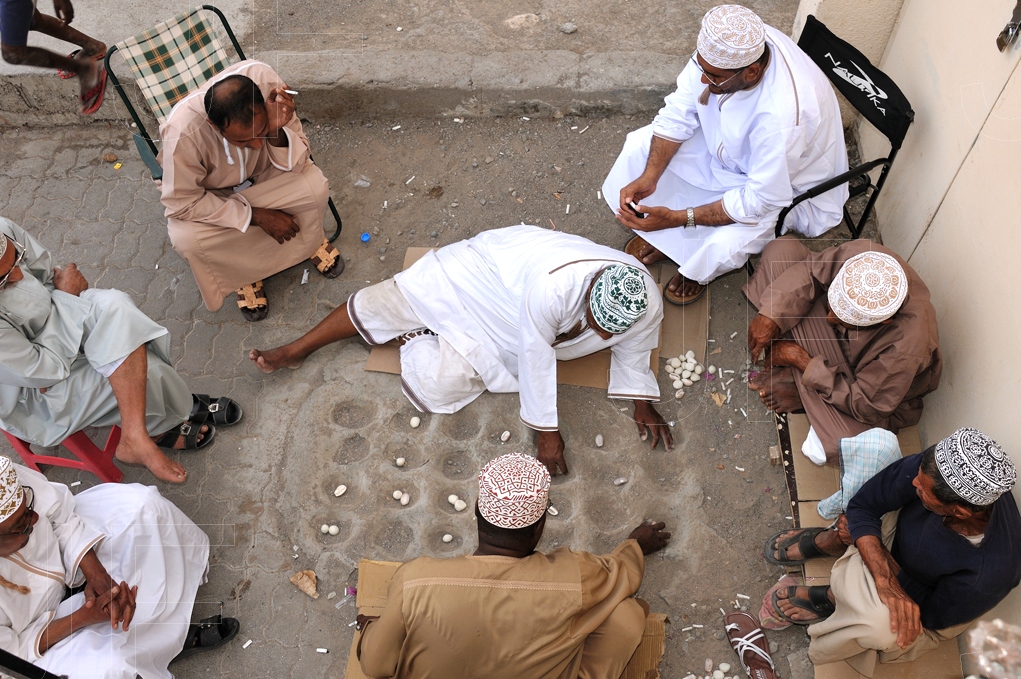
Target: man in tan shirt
(507,611)
(243,199)
(850,335)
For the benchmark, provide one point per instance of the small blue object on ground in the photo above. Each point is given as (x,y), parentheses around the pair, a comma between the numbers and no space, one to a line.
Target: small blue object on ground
(366,237)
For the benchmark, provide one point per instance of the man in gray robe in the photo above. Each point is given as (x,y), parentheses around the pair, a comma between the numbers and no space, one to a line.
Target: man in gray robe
(72,357)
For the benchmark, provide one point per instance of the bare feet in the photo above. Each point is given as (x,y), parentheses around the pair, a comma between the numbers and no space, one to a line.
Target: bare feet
(679,286)
(777,390)
(274,359)
(794,612)
(145,452)
(649,255)
(828,541)
(92,49)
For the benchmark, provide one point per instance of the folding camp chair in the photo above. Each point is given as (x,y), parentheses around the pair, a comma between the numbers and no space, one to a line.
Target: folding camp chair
(167,62)
(874,95)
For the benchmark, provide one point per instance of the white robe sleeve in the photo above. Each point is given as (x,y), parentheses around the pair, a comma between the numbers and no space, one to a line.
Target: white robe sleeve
(630,373)
(537,360)
(678,119)
(26,644)
(768,188)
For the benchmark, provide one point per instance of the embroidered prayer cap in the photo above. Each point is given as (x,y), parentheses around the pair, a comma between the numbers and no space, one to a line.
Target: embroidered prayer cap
(11,495)
(513,491)
(3,244)
(619,298)
(732,37)
(868,289)
(974,466)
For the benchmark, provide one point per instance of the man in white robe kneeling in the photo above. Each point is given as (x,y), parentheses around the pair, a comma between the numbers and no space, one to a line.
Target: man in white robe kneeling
(141,561)
(753,123)
(496,312)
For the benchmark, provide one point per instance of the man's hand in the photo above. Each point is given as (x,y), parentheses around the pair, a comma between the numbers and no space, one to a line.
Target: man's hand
(124,610)
(64,10)
(279,109)
(651,422)
(761,331)
(842,530)
(69,280)
(362,621)
(98,583)
(650,536)
(643,187)
(94,611)
(905,616)
(276,223)
(787,352)
(551,452)
(657,218)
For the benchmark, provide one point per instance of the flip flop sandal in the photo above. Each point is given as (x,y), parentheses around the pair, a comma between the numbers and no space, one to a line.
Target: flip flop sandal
(803,538)
(634,248)
(749,641)
(208,634)
(223,411)
(817,602)
(93,99)
(252,301)
(683,300)
(328,260)
(190,431)
(68,75)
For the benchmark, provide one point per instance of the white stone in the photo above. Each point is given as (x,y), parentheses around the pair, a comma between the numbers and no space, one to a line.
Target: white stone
(460,505)
(670,369)
(685,374)
(452,499)
(599,440)
(718,674)
(708,665)
(675,362)
(400,462)
(552,510)
(679,393)
(699,369)
(690,354)
(405,499)
(712,370)
(334,530)
(678,383)
(724,667)
(448,537)
(505,436)
(696,377)
(397,494)
(340,490)
(415,421)
(324,529)
(690,365)
(687,383)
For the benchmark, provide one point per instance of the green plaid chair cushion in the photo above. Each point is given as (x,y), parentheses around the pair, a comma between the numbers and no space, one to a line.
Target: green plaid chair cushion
(173,58)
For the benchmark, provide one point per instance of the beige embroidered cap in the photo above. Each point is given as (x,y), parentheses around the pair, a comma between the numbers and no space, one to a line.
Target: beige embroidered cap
(11,496)
(732,37)
(513,491)
(868,289)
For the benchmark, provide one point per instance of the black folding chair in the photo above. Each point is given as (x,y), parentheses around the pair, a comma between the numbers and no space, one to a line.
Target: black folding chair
(875,96)
(13,666)
(167,62)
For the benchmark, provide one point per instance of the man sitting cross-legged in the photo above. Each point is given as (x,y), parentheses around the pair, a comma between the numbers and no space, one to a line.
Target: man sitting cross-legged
(850,336)
(508,611)
(926,546)
(243,199)
(496,312)
(73,357)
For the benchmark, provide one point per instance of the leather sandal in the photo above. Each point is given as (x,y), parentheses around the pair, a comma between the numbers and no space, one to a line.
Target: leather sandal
(328,260)
(223,411)
(191,432)
(818,603)
(252,301)
(208,634)
(804,538)
(750,644)
(93,99)
(683,300)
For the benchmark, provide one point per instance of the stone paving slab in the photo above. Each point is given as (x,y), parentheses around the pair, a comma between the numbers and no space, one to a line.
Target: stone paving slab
(264,488)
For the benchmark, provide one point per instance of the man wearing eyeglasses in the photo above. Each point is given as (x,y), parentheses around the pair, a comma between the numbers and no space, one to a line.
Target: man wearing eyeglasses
(73,357)
(753,123)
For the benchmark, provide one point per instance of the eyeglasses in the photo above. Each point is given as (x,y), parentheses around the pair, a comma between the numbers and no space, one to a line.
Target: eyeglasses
(20,250)
(712,78)
(26,518)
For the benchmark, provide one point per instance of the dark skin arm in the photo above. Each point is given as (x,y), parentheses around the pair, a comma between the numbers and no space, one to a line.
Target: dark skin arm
(64,10)
(650,536)
(278,224)
(279,112)
(905,616)
(787,352)
(121,608)
(659,218)
(651,422)
(551,452)
(761,331)
(92,613)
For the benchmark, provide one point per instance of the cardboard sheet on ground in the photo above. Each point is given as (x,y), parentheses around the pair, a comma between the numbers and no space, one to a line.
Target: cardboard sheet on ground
(683,328)
(374,579)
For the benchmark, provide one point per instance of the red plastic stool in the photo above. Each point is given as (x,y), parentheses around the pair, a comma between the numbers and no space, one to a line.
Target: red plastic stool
(90,458)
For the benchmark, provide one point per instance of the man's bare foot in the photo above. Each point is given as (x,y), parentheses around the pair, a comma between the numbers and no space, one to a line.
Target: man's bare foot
(828,541)
(679,286)
(641,250)
(796,612)
(274,359)
(91,50)
(777,390)
(145,452)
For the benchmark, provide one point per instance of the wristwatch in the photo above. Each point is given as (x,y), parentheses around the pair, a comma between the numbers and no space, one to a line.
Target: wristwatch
(691,217)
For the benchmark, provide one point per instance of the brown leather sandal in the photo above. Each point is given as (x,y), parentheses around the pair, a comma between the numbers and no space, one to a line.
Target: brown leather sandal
(252,301)
(328,260)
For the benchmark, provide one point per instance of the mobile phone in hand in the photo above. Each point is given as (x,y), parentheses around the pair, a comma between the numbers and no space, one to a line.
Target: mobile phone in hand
(634,209)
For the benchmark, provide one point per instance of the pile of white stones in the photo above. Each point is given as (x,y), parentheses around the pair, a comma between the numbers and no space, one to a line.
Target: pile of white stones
(685,371)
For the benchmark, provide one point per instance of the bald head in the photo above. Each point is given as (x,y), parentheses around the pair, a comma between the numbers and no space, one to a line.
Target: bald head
(235,100)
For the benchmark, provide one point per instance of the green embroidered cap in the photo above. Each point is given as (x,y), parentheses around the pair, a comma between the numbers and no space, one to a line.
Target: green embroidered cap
(619,298)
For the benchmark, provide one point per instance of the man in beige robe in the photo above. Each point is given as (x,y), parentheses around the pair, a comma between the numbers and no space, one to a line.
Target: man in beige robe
(859,347)
(507,611)
(243,199)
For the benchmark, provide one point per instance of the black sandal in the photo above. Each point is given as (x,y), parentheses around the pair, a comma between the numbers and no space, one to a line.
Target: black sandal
(817,602)
(804,539)
(208,634)
(223,411)
(190,431)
